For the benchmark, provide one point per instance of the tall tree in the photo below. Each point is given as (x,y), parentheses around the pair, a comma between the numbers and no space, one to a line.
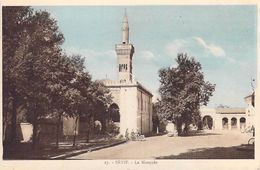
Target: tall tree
(64,89)
(40,77)
(15,21)
(42,45)
(183,90)
(81,85)
(30,41)
(97,104)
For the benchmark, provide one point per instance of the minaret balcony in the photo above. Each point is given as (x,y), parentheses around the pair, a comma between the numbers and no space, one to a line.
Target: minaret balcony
(124,46)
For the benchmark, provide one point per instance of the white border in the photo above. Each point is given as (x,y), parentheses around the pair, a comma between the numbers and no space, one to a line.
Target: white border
(162,164)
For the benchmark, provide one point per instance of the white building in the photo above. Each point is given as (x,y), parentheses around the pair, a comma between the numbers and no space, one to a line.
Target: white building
(224,118)
(250,109)
(133,100)
(229,118)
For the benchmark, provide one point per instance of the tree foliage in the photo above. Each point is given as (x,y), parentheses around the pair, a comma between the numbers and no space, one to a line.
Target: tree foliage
(183,90)
(14,22)
(39,76)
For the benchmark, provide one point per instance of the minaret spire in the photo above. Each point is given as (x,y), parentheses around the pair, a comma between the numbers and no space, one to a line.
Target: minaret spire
(125,52)
(125,30)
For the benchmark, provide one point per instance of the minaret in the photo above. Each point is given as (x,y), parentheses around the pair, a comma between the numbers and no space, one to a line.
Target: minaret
(125,30)
(125,53)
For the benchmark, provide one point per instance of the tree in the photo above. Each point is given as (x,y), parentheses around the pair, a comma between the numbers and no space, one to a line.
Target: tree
(157,124)
(40,77)
(31,40)
(14,23)
(81,84)
(66,88)
(97,105)
(82,97)
(41,49)
(183,90)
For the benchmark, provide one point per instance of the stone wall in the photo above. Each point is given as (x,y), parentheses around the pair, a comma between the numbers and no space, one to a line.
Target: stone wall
(144,112)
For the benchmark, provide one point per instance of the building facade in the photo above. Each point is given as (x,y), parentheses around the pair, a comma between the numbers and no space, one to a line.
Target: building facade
(250,109)
(229,118)
(132,100)
(224,118)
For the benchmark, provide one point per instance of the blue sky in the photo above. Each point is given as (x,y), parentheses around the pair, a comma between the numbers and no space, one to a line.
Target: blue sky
(222,38)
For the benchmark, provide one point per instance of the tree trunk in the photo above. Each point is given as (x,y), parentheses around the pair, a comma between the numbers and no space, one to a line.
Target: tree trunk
(13,127)
(87,136)
(5,118)
(186,129)
(179,126)
(35,128)
(104,125)
(88,131)
(75,130)
(58,130)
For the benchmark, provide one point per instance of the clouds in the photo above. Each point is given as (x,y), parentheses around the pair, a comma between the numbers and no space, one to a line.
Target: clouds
(199,48)
(194,45)
(176,46)
(218,52)
(147,55)
(215,50)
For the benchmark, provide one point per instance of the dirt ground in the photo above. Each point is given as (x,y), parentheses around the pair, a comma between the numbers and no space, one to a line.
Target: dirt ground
(204,145)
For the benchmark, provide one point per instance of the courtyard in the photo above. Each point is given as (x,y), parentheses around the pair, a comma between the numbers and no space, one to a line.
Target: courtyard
(203,145)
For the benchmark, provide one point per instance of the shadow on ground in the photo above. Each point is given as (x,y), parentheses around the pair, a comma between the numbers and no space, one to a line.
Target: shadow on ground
(199,133)
(24,151)
(234,152)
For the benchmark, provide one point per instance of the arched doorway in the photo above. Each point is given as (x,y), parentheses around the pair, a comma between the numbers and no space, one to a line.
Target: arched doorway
(114,119)
(207,122)
(225,123)
(114,113)
(234,123)
(242,123)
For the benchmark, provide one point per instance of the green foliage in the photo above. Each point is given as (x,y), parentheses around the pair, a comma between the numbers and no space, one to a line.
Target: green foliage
(39,76)
(183,90)
(14,23)
(158,119)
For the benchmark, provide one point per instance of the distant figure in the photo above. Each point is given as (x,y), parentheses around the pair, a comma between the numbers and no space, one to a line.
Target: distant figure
(97,125)
(133,135)
(126,134)
(170,128)
(253,130)
(38,136)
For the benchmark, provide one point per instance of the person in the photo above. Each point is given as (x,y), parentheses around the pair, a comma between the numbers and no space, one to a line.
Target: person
(253,130)
(38,135)
(133,137)
(126,134)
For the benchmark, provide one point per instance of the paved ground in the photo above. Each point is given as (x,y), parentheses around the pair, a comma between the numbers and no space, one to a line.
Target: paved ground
(203,145)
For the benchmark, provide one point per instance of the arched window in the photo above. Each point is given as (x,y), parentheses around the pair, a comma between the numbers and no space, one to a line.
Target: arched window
(242,123)
(114,113)
(233,123)
(225,123)
(207,122)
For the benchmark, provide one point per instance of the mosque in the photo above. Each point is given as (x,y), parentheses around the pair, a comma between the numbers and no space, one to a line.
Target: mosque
(131,99)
